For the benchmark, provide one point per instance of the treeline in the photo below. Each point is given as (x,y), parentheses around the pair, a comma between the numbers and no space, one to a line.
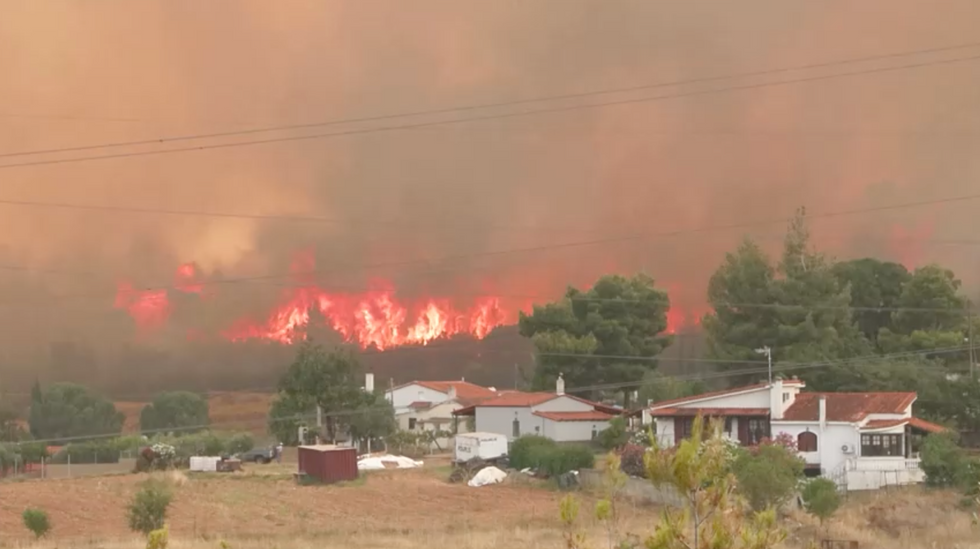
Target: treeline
(858,325)
(86,427)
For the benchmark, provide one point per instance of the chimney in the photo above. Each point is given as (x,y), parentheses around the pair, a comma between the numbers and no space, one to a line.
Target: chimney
(368,383)
(452,392)
(776,399)
(560,385)
(822,410)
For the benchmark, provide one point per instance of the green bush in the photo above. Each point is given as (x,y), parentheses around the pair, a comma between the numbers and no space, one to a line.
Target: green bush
(36,520)
(945,463)
(768,474)
(96,451)
(147,511)
(563,459)
(239,443)
(528,450)
(615,435)
(821,498)
(32,452)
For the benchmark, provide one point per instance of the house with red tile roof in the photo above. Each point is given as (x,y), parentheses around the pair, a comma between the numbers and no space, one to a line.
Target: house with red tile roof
(860,440)
(429,405)
(558,416)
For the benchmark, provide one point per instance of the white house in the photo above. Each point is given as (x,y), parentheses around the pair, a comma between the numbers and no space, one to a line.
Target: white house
(429,405)
(860,440)
(560,417)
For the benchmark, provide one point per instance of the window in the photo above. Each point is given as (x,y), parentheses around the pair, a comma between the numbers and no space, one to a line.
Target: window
(682,428)
(785,397)
(807,442)
(882,445)
(517,428)
(758,430)
(411,423)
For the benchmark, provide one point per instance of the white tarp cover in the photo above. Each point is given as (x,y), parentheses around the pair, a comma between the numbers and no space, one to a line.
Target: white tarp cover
(487,475)
(376,463)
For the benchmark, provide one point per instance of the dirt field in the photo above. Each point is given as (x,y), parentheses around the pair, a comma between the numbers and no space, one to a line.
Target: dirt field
(270,504)
(414,509)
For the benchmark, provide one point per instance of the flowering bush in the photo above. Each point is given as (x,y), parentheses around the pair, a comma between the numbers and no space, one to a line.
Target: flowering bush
(631,460)
(641,438)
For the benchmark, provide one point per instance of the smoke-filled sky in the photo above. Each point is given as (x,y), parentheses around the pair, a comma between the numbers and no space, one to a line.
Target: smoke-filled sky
(98,71)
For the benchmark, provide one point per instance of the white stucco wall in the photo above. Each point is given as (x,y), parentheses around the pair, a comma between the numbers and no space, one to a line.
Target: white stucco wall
(757,398)
(563,404)
(401,397)
(830,442)
(571,431)
(499,420)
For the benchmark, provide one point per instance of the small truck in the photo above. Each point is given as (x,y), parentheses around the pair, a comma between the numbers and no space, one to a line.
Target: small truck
(487,447)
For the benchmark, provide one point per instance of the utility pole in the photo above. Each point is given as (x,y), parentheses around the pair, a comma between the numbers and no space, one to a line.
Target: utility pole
(973,360)
(768,352)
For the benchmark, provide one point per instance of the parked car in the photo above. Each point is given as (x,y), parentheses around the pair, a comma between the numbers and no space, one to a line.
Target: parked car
(258,455)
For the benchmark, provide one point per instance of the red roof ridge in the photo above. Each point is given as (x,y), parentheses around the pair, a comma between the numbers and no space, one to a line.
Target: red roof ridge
(849,407)
(593,415)
(723,392)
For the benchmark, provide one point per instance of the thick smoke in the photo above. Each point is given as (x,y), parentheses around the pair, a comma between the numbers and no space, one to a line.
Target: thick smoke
(77,73)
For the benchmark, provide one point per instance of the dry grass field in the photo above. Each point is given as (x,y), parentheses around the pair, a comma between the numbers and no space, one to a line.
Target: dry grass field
(412,509)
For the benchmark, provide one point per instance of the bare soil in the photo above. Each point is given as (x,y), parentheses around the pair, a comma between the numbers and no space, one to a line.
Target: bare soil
(268,503)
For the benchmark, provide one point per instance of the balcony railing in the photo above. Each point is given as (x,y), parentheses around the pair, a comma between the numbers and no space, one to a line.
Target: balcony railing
(883,464)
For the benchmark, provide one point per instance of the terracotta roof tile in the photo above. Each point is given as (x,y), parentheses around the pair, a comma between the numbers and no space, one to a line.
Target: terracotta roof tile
(926,426)
(420,404)
(734,390)
(851,407)
(593,415)
(464,389)
(884,423)
(518,399)
(709,412)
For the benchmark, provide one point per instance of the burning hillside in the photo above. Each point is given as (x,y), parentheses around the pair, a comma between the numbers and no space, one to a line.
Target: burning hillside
(374,318)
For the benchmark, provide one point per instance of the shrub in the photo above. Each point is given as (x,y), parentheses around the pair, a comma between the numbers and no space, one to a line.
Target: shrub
(559,460)
(158,539)
(615,435)
(36,520)
(239,443)
(821,498)
(945,463)
(32,452)
(147,511)
(768,474)
(631,460)
(96,451)
(528,451)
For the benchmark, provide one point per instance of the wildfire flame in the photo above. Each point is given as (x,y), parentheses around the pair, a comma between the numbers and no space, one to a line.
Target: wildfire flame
(371,319)
(187,279)
(149,308)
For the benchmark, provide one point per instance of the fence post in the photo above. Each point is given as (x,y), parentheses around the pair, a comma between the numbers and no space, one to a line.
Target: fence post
(69,464)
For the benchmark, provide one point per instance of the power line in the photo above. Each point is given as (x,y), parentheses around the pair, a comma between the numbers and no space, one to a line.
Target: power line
(465,108)
(499,116)
(547,247)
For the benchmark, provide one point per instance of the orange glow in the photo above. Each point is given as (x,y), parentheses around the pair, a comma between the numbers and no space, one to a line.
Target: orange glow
(149,308)
(187,279)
